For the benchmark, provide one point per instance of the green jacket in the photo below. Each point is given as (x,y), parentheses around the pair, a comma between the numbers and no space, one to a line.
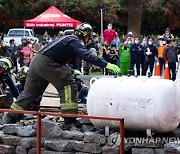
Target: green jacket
(125,55)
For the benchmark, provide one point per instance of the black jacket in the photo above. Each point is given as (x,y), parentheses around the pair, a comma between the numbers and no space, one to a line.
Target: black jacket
(152,49)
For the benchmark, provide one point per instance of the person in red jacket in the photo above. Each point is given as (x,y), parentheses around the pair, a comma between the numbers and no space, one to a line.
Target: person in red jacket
(109,34)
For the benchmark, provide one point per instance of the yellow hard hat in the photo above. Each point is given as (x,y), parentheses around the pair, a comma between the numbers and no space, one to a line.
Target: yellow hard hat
(8,62)
(23,72)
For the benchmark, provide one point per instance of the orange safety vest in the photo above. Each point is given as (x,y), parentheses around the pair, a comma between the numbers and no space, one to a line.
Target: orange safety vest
(160,51)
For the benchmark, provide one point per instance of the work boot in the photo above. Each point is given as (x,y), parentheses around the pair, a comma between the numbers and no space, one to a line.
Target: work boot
(8,119)
(71,123)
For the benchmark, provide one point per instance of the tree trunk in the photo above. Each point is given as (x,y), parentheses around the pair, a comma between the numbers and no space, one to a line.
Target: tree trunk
(135,17)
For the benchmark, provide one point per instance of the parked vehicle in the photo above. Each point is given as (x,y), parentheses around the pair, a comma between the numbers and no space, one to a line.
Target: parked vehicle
(18,33)
(69,32)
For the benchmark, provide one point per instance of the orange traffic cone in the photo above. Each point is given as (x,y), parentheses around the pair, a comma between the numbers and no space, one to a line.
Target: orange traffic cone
(166,71)
(157,69)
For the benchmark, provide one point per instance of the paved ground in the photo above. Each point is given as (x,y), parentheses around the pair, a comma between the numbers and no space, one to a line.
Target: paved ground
(50,97)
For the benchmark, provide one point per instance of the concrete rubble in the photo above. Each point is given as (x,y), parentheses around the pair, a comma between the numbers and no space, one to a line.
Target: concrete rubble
(20,138)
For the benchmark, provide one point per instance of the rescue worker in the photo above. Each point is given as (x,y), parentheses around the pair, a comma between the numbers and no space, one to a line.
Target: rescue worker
(82,90)
(50,66)
(21,76)
(82,95)
(6,65)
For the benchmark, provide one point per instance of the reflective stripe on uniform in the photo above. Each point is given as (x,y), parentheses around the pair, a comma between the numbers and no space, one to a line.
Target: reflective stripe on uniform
(69,106)
(16,107)
(7,61)
(67,94)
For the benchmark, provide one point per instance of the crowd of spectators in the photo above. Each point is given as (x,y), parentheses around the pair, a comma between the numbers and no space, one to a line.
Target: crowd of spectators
(138,56)
(133,55)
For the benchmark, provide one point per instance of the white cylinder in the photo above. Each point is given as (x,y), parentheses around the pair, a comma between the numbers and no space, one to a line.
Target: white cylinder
(144,103)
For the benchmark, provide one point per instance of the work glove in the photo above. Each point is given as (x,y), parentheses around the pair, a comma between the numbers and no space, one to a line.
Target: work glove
(75,73)
(100,55)
(114,68)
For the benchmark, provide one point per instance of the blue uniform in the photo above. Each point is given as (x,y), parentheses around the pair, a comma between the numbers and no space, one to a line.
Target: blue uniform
(49,66)
(66,51)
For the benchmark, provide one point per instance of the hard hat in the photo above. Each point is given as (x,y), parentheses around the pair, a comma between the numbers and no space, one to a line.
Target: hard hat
(3,67)
(83,30)
(23,72)
(8,62)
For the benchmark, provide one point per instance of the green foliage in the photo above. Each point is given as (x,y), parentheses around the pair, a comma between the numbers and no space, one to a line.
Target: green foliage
(157,14)
(163,12)
(89,10)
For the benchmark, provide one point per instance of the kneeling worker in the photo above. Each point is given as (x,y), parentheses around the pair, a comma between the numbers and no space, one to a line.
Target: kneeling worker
(50,66)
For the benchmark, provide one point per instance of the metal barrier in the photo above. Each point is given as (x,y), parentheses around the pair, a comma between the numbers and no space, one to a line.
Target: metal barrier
(39,114)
